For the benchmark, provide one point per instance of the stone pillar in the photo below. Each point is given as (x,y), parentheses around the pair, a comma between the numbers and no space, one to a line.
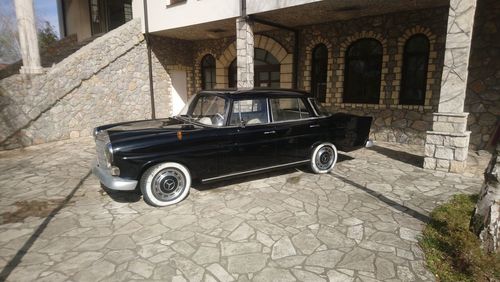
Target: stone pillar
(244,53)
(486,220)
(446,146)
(28,37)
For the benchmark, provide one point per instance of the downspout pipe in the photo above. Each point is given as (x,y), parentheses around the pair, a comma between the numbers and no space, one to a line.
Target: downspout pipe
(150,64)
(295,45)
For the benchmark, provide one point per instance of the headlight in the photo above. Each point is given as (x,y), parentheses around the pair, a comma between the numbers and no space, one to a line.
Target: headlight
(108,153)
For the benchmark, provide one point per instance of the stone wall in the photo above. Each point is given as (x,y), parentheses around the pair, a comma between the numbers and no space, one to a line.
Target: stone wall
(392,121)
(486,220)
(105,81)
(483,87)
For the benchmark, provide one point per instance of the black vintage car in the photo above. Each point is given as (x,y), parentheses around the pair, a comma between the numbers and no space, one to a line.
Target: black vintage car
(222,134)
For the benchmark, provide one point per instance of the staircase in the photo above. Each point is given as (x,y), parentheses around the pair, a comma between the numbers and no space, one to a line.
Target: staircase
(99,80)
(53,54)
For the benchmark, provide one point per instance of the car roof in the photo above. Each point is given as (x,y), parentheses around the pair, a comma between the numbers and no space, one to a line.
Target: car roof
(254,93)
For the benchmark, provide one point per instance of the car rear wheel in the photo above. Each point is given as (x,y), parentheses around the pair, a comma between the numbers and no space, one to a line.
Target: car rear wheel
(165,184)
(323,158)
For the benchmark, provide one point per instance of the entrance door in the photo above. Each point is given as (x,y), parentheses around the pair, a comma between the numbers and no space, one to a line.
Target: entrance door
(179,90)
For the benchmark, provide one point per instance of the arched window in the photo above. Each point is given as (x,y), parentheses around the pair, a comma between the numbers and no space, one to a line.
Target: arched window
(414,77)
(266,69)
(319,71)
(231,72)
(363,68)
(208,72)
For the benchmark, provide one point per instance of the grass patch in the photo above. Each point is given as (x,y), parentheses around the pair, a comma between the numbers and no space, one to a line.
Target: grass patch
(451,250)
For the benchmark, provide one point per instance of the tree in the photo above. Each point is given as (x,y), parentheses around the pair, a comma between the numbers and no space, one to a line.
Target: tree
(9,42)
(46,35)
(9,37)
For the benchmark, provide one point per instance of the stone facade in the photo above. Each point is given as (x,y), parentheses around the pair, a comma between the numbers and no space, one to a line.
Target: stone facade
(483,86)
(392,121)
(105,81)
(486,220)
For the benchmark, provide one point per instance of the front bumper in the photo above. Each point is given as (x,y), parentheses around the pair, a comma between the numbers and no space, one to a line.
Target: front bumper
(113,182)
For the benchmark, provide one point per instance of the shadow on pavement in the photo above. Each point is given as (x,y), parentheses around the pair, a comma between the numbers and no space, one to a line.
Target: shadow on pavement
(263,175)
(14,262)
(401,156)
(409,211)
(122,196)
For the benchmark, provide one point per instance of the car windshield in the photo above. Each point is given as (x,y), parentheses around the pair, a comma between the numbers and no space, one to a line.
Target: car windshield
(207,109)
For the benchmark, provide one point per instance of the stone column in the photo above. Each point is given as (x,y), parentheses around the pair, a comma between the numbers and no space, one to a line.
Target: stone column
(446,146)
(244,53)
(28,37)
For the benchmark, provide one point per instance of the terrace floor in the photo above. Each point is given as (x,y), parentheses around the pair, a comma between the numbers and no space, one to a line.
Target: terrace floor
(359,223)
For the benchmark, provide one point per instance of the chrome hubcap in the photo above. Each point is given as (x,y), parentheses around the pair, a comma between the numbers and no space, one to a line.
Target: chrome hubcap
(168,184)
(325,158)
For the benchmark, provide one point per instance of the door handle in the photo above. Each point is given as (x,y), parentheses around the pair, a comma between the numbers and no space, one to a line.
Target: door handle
(314,125)
(269,132)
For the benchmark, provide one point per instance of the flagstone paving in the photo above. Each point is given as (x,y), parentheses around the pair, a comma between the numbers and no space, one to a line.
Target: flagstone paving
(359,223)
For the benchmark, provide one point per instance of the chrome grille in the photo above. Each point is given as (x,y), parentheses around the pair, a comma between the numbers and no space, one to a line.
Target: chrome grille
(101,139)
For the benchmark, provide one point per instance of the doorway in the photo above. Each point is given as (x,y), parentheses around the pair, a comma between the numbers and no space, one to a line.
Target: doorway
(179,90)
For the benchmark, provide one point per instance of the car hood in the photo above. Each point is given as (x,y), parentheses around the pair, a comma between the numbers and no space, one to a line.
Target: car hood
(138,129)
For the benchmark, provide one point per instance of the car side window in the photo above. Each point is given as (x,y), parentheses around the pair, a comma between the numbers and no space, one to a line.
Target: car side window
(248,112)
(285,109)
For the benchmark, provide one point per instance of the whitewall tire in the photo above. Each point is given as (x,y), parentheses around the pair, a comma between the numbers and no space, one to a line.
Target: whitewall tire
(323,158)
(165,184)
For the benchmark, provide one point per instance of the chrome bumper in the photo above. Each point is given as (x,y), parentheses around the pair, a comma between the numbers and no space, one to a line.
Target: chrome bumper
(113,182)
(369,143)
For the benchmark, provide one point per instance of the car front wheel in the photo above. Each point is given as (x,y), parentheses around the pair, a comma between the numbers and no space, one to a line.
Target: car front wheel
(165,184)
(323,158)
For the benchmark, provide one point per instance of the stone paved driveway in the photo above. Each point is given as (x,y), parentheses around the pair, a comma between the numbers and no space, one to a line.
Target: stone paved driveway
(359,223)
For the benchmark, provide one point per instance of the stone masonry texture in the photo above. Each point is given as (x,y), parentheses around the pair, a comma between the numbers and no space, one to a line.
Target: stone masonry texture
(486,220)
(105,81)
(360,222)
(483,85)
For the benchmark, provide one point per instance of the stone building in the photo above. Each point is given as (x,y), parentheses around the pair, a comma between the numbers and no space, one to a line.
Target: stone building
(428,71)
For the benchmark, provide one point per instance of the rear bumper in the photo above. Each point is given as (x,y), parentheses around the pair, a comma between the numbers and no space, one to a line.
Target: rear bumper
(113,182)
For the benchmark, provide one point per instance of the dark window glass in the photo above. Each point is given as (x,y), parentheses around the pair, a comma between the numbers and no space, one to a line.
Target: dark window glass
(232,74)
(106,15)
(248,112)
(414,79)
(284,109)
(266,69)
(363,68)
(208,72)
(319,71)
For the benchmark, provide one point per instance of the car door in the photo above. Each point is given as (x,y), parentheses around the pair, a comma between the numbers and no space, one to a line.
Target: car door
(254,137)
(297,129)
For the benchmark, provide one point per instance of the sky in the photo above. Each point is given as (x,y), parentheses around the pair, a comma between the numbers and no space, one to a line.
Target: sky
(47,10)
(44,10)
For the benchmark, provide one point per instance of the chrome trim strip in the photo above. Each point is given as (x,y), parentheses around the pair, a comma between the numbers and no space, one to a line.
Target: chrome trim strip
(311,101)
(253,170)
(112,182)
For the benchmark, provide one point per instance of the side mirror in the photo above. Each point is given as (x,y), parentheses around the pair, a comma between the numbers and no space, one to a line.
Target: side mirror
(243,123)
